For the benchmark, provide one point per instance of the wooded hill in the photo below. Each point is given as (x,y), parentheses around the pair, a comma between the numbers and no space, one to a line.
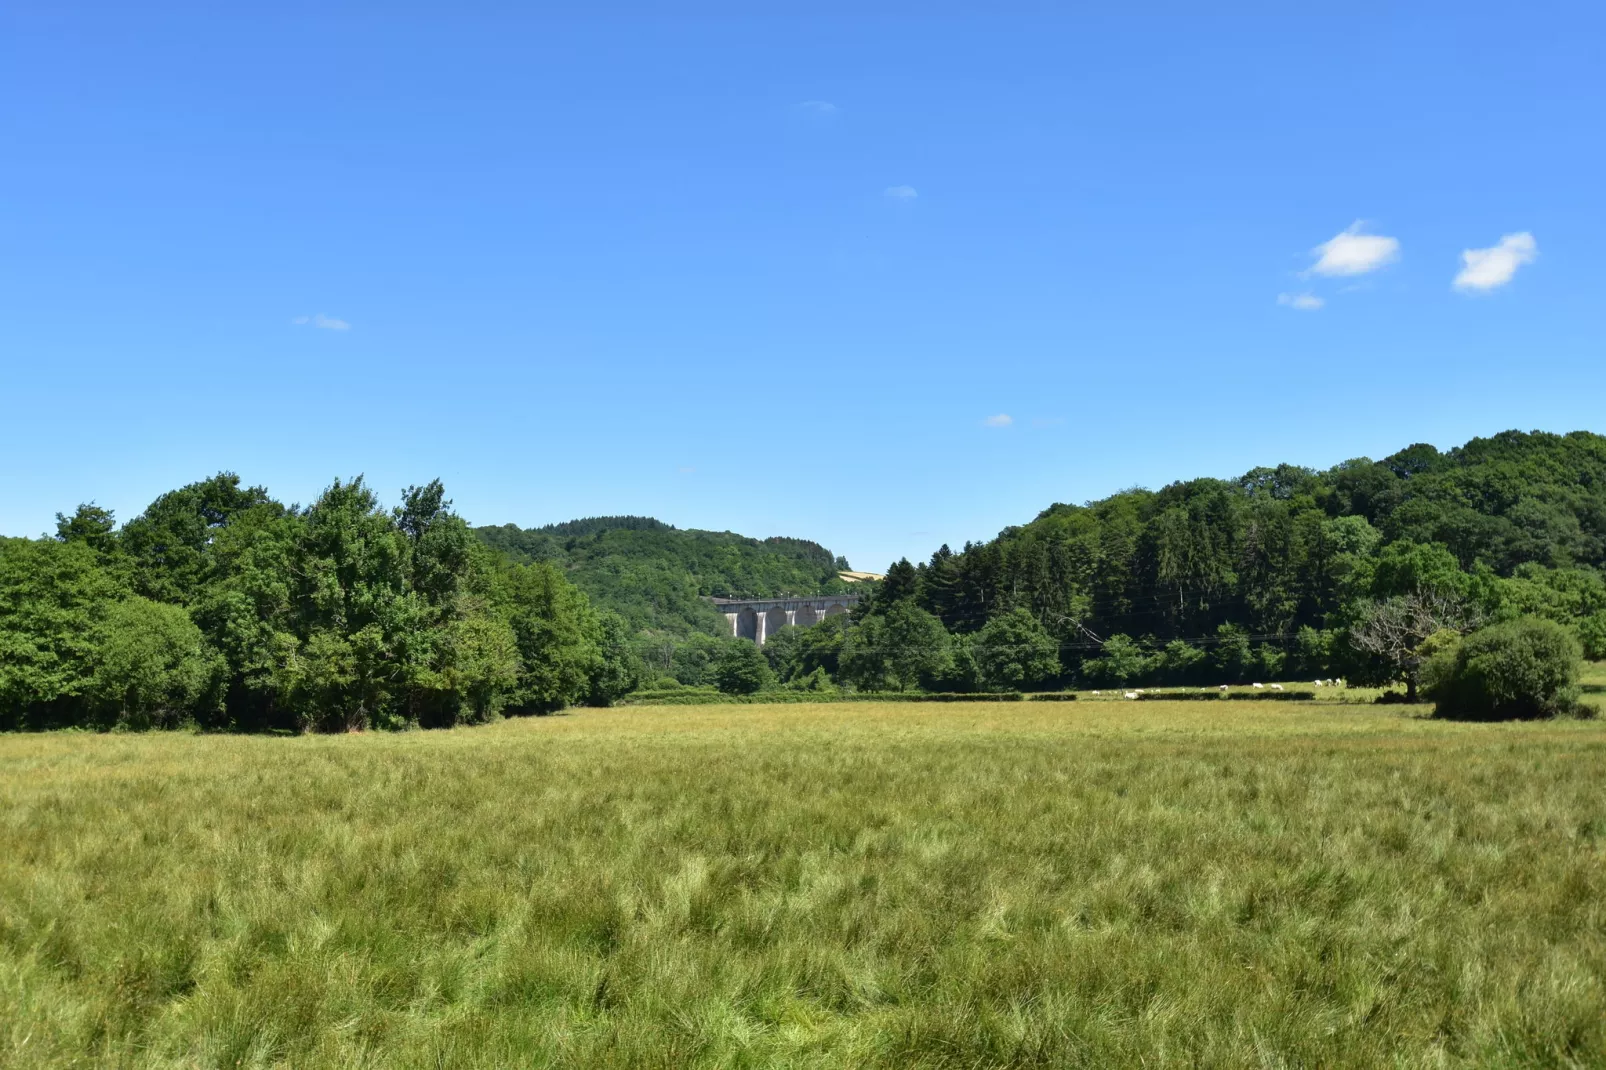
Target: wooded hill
(658,577)
(1286,557)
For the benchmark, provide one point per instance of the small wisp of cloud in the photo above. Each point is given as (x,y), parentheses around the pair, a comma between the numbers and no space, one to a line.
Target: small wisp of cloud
(818,109)
(1483,270)
(328,323)
(1002,419)
(685,470)
(1354,253)
(1306,302)
(900,193)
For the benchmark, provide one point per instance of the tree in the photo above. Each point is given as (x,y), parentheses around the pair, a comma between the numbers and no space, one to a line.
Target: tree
(1121,661)
(1014,651)
(52,597)
(784,652)
(151,667)
(899,647)
(1524,668)
(1592,635)
(620,671)
(1180,663)
(1393,631)
(169,540)
(90,524)
(558,639)
(741,669)
(1233,658)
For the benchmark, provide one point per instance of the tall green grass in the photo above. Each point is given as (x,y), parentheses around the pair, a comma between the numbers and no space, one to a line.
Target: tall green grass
(1086,884)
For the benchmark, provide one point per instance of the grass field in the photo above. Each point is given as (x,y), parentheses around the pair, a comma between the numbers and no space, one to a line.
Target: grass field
(1054,884)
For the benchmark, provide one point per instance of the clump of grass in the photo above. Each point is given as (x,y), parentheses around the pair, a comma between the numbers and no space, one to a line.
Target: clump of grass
(1096,884)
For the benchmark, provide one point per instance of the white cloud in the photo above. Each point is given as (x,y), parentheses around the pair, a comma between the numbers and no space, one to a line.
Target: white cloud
(328,323)
(820,108)
(1484,269)
(1304,302)
(1002,419)
(1354,253)
(901,193)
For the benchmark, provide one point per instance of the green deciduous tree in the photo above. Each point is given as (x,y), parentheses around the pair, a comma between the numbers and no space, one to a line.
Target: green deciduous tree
(741,669)
(900,647)
(151,667)
(53,596)
(1014,651)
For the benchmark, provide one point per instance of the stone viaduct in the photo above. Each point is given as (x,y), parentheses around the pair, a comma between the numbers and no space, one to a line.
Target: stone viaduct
(756,618)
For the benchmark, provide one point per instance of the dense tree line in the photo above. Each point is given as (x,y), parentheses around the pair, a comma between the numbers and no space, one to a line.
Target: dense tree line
(221,607)
(1284,572)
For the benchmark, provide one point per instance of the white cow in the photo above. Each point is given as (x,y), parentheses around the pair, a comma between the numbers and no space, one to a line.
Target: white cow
(1130,694)
(1222,687)
(1260,686)
(1276,687)
(1095,692)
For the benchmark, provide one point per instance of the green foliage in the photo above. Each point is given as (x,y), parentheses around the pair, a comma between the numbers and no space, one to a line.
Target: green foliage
(1120,662)
(1282,549)
(741,669)
(1180,663)
(169,541)
(621,670)
(1233,658)
(659,578)
(1013,651)
(52,597)
(151,667)
(559,639)
(816,683)
(1591,633)
(220,606)
(1524,668)
(900,647)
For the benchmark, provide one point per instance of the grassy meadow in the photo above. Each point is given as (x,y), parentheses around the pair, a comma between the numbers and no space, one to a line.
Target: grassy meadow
(1033,884)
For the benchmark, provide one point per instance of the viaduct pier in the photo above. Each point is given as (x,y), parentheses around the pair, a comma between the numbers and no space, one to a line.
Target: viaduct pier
(756,618)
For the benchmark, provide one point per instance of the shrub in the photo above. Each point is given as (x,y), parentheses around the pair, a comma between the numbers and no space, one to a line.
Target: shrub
(151,666)
(1524,668)
(741,669)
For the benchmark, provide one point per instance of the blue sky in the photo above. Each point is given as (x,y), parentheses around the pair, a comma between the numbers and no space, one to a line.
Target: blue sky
(882,282)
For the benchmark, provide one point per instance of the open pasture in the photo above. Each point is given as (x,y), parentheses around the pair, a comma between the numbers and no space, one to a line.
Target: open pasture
(990,885)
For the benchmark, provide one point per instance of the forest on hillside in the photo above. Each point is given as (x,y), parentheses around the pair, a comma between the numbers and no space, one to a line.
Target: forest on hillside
(221,607)
(1283,572)
(1282,569)
(659,578)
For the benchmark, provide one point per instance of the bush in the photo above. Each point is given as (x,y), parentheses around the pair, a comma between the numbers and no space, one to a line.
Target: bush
(151,666)
(1525,668)
(741,669)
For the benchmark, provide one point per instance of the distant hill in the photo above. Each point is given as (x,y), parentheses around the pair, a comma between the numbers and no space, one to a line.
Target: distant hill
(658,576)
(1283,548)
